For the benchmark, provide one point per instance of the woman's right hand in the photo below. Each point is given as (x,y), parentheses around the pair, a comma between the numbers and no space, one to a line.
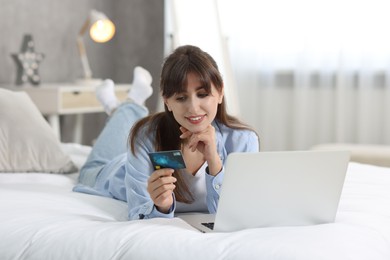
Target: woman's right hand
(160,188)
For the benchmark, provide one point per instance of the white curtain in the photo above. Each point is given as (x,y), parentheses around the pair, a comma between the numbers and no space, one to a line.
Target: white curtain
(309,72)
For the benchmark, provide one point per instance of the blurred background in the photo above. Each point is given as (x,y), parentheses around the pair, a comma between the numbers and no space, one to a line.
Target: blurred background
(55,25)
(301,72)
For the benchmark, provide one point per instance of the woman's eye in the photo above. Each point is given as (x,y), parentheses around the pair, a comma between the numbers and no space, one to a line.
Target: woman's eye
(203,95)
(180,98)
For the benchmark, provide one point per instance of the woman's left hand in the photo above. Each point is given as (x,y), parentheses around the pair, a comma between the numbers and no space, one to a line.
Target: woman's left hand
(204,142)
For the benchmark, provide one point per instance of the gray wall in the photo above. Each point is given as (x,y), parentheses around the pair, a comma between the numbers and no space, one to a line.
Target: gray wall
(55,24)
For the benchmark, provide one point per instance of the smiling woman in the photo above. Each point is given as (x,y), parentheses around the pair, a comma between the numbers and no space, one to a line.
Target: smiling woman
(195,122)
(196,106)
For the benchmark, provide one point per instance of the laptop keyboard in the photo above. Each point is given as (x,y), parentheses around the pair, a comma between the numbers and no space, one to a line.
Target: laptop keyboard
(210,225)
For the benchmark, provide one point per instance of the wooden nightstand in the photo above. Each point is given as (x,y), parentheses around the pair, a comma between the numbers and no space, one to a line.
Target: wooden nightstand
(54,100)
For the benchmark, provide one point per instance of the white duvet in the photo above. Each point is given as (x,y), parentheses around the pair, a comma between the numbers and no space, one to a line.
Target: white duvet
(41,218)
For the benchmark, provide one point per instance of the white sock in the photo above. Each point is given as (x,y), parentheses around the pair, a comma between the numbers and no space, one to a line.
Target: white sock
(105,93)
(141,88)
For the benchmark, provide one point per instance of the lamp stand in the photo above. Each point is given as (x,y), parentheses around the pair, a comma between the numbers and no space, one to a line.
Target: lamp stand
(84,58)
(101,30)
(87,80)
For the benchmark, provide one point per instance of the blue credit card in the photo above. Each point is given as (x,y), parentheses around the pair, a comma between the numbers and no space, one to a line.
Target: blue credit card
(167,159)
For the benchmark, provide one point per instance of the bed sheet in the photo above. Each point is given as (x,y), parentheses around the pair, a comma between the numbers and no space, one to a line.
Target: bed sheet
(41,218)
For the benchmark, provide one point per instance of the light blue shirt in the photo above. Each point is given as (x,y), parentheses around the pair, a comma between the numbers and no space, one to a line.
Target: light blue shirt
(125,177)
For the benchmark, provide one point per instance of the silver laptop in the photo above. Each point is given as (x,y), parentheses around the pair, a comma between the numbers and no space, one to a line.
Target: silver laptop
(268,189)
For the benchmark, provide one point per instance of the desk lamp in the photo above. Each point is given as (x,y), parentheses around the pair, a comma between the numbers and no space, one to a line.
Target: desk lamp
(101,29)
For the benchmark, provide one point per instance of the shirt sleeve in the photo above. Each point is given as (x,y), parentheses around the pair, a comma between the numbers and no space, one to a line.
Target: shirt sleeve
(245,141)
(238,141)
(138,170)
(213,186)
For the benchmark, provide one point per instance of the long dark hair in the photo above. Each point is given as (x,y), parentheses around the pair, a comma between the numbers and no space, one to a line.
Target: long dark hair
(184,60)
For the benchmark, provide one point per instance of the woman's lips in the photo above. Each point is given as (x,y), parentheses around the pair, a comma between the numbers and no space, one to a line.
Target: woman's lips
(195,119)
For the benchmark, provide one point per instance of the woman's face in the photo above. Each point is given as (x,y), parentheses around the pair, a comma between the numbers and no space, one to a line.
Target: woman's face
(194,108)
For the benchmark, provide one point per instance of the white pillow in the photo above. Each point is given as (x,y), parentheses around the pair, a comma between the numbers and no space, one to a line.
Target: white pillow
(27,142)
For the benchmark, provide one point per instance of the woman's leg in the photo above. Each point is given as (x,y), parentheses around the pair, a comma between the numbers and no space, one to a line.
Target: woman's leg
(112,141)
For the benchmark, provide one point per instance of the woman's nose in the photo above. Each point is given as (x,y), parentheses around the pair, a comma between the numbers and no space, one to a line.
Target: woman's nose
(193,105)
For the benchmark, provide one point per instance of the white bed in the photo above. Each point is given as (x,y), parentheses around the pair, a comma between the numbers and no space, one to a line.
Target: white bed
(41,218)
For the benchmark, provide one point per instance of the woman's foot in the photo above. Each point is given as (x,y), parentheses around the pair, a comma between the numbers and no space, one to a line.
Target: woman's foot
(105,93)
(141,88)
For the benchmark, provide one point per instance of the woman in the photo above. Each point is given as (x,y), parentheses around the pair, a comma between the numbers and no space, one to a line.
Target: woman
(195,121)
